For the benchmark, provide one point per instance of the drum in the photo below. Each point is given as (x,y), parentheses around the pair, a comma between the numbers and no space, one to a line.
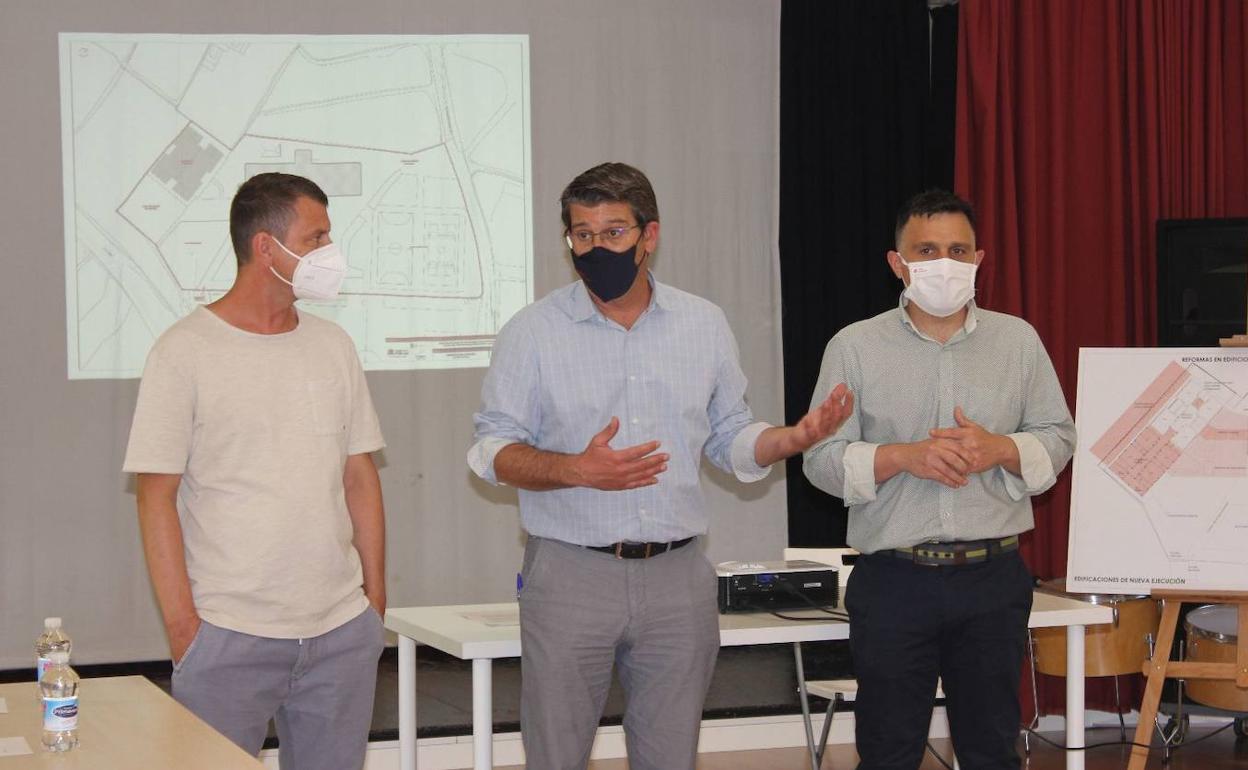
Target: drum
(1211,638)
(1110,649)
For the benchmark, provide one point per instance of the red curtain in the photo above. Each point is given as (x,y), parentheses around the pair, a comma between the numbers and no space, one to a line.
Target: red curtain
(1079,125)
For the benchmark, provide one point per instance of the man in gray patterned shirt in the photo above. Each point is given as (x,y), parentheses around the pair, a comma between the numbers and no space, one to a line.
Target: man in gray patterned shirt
(959,421)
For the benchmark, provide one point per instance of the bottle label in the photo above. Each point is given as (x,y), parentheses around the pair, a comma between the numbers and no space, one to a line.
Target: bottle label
(60,714)
(41,665)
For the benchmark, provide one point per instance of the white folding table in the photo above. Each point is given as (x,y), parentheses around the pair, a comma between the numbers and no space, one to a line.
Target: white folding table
(483,632)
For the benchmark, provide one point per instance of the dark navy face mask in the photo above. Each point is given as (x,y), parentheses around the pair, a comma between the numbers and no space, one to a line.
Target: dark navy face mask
(608,274)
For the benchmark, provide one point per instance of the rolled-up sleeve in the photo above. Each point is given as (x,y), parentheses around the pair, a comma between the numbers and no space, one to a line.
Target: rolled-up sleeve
(842,464)
(510,405)
(1046,436)
(744,463)
(859,465)
(481,456)
(1035,464)
(730,446)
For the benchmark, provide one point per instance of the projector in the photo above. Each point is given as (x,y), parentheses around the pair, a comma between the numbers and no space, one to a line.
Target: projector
(775,585)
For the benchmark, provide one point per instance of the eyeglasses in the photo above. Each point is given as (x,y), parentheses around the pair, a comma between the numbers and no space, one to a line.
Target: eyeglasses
(612,236)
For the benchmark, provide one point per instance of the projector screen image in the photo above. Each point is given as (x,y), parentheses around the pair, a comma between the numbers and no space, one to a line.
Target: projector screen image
(420,142)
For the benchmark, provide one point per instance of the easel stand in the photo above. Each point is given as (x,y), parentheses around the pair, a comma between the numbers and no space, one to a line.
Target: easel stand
(1161,666)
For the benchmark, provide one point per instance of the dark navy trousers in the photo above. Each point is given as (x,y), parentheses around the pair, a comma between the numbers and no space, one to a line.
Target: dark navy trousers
(909,625)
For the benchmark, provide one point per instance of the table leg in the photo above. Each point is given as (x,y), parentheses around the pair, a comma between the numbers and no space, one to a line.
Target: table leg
(407,703)
(1074,697)
(801,693)
(482,714)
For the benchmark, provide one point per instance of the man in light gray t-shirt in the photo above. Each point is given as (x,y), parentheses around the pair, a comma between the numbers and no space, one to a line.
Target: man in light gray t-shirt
(259,504)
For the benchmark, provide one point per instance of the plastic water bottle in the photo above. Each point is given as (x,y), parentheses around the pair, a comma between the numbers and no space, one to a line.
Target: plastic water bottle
(60,703)
(53,639)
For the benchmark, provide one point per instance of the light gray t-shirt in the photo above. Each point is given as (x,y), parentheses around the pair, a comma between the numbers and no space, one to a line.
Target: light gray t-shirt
(260,427)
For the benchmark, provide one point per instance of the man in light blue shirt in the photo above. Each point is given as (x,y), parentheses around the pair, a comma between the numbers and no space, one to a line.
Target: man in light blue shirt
(600,401)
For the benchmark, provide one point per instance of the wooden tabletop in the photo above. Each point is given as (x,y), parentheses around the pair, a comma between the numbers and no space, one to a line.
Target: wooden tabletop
(124,723)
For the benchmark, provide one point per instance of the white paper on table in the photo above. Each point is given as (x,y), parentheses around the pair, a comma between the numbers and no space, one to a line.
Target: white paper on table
(14,747)
(495,619)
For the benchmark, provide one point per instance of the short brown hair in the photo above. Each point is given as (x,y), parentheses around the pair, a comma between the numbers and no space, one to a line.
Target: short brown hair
(611,183)
(266,203)
(928,204)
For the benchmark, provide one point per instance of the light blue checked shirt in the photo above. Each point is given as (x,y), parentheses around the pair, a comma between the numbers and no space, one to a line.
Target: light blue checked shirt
(561,370)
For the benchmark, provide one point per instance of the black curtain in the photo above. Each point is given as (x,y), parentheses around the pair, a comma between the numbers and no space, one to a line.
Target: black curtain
(867,99)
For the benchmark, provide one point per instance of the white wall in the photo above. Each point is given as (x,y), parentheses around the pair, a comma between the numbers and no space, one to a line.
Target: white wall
(687,90)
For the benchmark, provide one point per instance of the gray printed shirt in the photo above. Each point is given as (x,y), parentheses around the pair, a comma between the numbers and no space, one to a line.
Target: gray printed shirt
(905,384)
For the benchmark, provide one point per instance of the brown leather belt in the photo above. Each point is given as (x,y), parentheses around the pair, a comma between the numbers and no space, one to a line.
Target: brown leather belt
(640,550)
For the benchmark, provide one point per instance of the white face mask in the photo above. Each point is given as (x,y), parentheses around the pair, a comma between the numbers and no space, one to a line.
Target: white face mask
(942,286)
(319,273)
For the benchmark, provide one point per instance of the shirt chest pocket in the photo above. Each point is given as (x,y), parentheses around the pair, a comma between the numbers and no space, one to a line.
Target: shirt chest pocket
(998,407)
(323,411)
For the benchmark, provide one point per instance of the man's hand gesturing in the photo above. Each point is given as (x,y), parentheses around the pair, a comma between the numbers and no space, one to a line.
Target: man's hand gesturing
(602,467)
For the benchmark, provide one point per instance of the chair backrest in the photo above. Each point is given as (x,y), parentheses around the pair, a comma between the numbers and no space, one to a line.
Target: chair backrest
(833,556)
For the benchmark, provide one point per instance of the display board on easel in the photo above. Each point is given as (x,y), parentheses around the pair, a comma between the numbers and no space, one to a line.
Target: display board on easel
(1160,476)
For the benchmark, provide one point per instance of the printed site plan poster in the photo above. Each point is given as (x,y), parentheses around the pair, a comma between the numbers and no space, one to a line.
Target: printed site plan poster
(420,142)
(1160,493)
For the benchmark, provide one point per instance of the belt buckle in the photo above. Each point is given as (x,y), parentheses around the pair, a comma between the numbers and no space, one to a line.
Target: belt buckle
(619,550)
(648,546)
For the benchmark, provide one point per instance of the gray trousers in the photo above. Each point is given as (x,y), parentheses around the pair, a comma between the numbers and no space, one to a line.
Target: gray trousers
(655,620)
(319,691)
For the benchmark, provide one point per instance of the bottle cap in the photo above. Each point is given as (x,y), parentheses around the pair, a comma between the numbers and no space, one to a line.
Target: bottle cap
(59,658)
(51,622)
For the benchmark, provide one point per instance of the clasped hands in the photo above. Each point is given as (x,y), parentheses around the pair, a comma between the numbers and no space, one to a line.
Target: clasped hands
(951,455)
